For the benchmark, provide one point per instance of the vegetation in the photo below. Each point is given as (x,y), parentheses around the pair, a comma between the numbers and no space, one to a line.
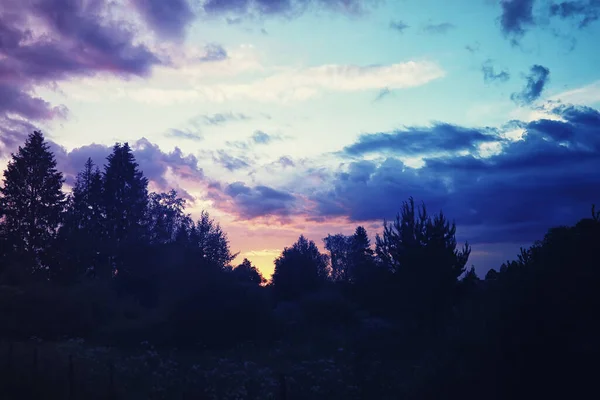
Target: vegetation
(118,276)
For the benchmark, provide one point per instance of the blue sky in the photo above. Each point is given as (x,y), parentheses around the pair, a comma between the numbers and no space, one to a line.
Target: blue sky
(288,117)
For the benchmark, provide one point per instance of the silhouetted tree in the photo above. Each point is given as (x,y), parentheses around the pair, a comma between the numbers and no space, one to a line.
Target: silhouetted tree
(31,200)
(421,253)
(339,254)
(361,260)
(351,256)
(299,269)
(248,273)
(125,197)
(166,217)
(83,234)
(210,240)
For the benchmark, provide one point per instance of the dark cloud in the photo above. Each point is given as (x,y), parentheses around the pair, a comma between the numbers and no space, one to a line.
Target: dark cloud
(79,40)
(13,133)
(536,81)
(252,202)
(442,28)
(399,26)
(230,162)
(414,141)
(222,118)
(548,178)
(168,18)
(517,15)
(490,75)
(585,12)
(14,100)
(214,52)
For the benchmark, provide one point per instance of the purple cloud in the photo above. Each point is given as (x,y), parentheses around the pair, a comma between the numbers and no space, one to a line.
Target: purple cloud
(253,202)
(286,7)
(78,41)
(544,180)
(169,18)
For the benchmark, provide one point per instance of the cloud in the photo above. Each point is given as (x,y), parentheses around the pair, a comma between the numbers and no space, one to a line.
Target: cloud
(399,26)
(222,118)
(417,141)
(585,11)
(214,52)
(585,95)
(286,161)
(473,48)
(284,7)
(184,134)
(547,178)
(516,16)
(48,41)
(156,164)
(441,28)
(536,81)
(168,18)
(252,202)
(230,162)
(383,93)
(302,84)
(489,74)
(284,84)
(260,137)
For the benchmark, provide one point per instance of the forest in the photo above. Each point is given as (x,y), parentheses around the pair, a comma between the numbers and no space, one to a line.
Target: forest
(123,279)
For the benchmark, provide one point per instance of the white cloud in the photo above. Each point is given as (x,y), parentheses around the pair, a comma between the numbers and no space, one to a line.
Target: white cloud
(585,95)
(302,84)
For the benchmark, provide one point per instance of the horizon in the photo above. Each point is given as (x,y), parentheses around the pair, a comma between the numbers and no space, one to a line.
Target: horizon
(486,110)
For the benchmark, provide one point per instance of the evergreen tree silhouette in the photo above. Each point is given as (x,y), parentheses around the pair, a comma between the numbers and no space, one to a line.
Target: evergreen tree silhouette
(420,252)
(83,234)
(125,197)
(32,201)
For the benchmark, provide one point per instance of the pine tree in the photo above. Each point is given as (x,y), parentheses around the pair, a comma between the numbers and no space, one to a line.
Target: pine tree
(125,197)
(361,260)
(32,200)
(83,233)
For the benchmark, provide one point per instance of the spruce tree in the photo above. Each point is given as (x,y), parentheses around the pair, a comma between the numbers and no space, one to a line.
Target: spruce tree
(125,197)
(83,232)
(32,200)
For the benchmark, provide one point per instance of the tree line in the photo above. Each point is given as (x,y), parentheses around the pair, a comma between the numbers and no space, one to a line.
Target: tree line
(140,268)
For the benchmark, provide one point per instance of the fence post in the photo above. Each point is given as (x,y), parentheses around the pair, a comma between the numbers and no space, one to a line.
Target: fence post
(71,378)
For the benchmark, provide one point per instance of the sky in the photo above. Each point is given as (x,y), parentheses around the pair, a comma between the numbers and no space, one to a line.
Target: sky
(289,117)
